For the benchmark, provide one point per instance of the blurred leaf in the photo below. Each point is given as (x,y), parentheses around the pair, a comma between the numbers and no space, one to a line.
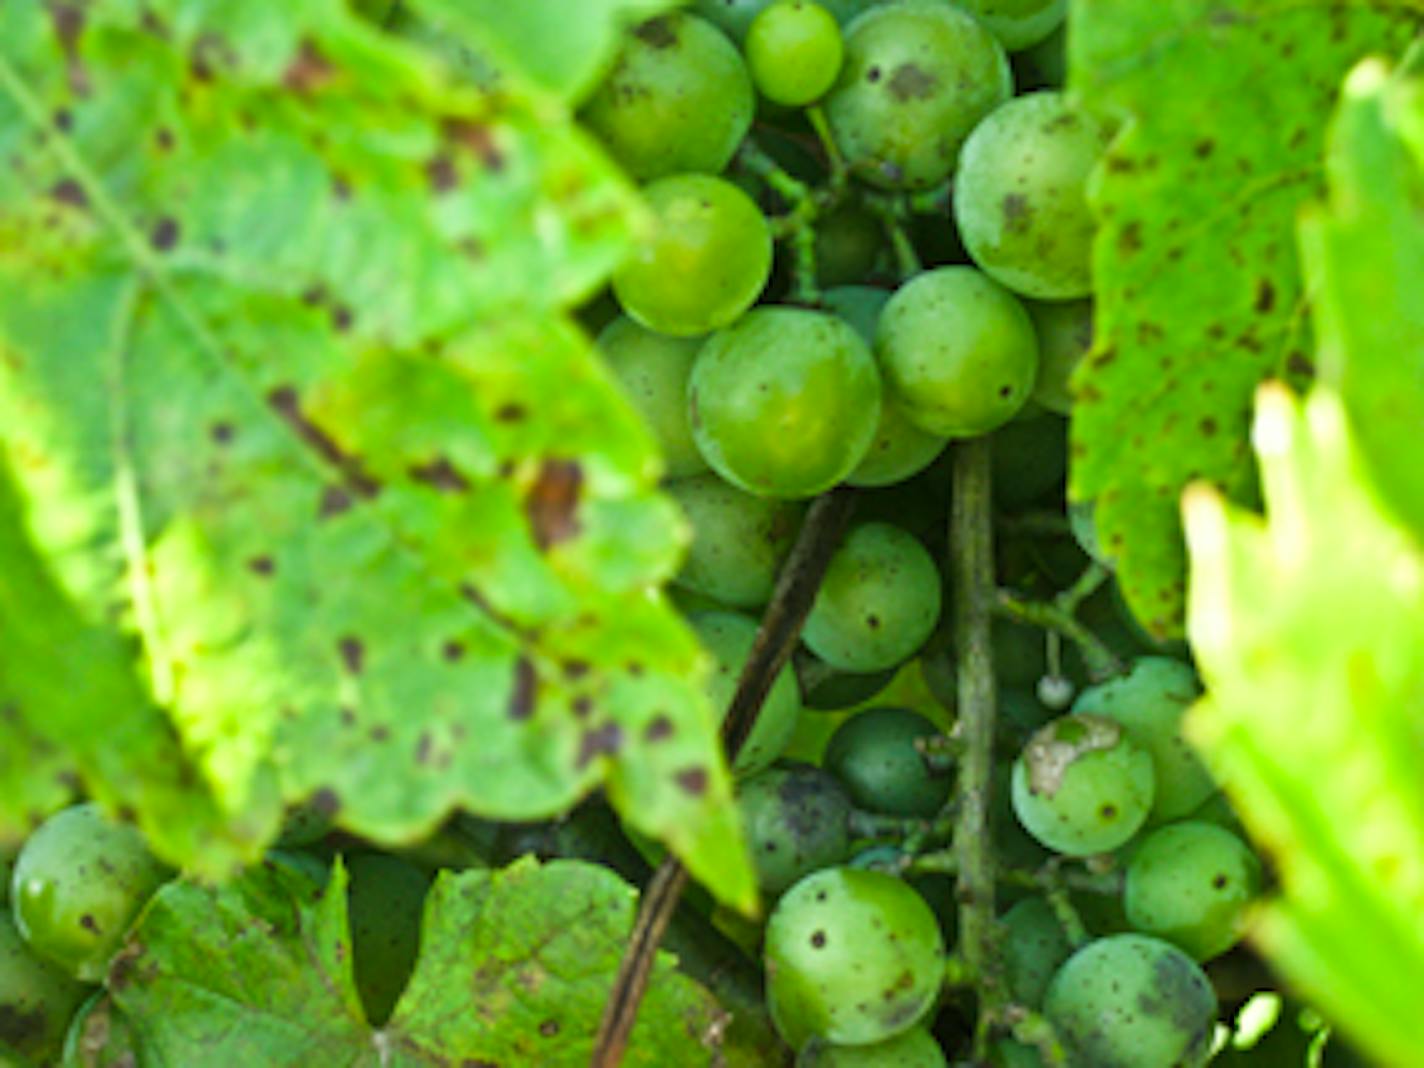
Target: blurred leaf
(1306,628)
(514,968)
(1364,259)
(60,679)
(291,397)
(564,48)
(1197,284)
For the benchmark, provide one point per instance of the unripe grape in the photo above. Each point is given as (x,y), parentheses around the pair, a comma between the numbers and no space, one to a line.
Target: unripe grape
(678,100)
(1019,23)
(653,370)
(1034,946)
(1030,460)
(915,1048)
(1020,199)
(852,957)
(729,636)
(794,51)
(1150,701)
(739,540)
(1082,786)
(784,402)
(37,998)
(1131,1001)
(796,822)
(874,755)
(79,883)
(1191,883)
(964,379)
(878,602)
(918,76)
(1065,334)
(705,263)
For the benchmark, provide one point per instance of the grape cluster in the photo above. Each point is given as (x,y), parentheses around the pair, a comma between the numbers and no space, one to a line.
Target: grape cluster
(870,237)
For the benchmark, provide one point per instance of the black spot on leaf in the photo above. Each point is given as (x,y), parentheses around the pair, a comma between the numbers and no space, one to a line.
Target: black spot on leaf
(440,474)
(165,234)
(353,654)
(521,696)
(602,741)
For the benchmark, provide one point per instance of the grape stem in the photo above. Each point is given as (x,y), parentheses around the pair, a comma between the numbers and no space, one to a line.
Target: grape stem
(780,628)
(971,544)
(892,213)
(1048,879)
(836,163)
(1102,662)
(798,226)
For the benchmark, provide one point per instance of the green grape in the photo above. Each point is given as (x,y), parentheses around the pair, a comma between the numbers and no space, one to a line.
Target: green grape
(1034,946)
(1131,1001)
(1030,459)
(678,100)
(964,381)
(100,1036)
(1217,809)
(728,637)
(1019,196)
(1084,526)
(1149,701)
(938,889)
(1191,883)
(79,882)
(739,541)
(795,821)
(873,754)
(852,957)
(849,240)
(900,449)
(37,998)
(918,76)
(1018,23)
(707,261)
(1044,65)
(915,1048)
(878,603)
(386,900)
(1082,785)
(1065,334)
(794,52)
(827,689)
(784,402)
(733,17)
(653,369)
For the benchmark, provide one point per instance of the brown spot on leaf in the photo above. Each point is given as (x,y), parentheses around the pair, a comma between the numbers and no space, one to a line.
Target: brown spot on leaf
(1129,240)
(601,741)
(334,501)
(521,696)
(341,318)
(442,174)
(552,502)
(422,748)
(452,651)
(1204,148)
(1208,426)
(1265,296)
(692,780)
(165,234)
(658,729)
(309,71)
(283,401)
(440,474)
(261,565)
(353,654)
(68,191)
(325,802)
(510,413)
(576,669)
(582,706)
(477,138)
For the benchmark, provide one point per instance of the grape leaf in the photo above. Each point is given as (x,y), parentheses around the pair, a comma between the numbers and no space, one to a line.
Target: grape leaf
(1364,260)
(291,396)
(514,968)
(1195,264)
(1306,627)
(52,661)
(564,48)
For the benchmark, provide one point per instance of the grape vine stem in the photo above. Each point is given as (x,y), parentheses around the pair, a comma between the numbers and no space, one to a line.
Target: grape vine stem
(972,560)
(780,628)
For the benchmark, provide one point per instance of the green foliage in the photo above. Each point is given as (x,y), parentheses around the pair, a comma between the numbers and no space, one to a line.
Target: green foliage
(1198,198)
(258,971)
(226,301)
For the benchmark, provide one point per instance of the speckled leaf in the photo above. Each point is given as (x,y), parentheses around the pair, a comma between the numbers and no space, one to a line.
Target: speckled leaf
(292,398)
(562,47)
(59,680)
(1307,628)
(1364,258)
(514,969)
(1197,280)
